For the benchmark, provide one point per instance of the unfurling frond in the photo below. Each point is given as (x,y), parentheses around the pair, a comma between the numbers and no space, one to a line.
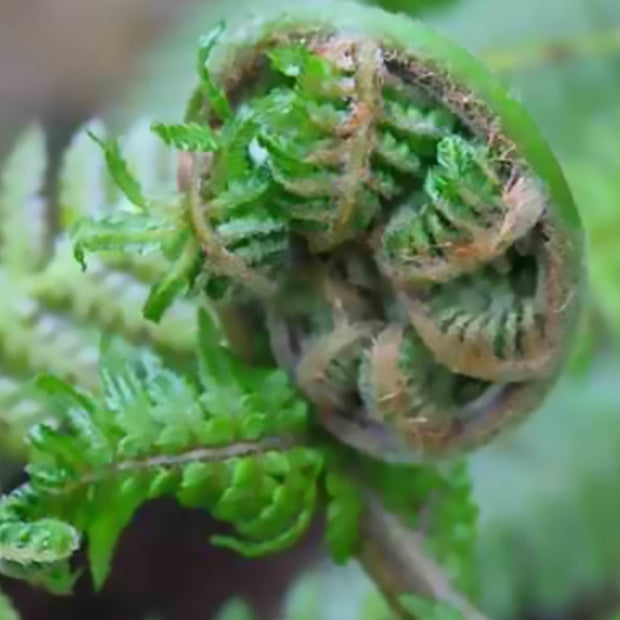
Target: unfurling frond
(231,448)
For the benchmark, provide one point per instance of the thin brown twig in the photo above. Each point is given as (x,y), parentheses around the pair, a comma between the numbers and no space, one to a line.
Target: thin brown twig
(197,455)
(394,558)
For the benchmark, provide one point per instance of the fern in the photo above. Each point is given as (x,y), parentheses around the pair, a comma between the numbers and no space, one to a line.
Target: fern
(562,94)
(120,429)
(188,137)
(153,433)
(21,204)
(52,314)
(147,431)
(234,441)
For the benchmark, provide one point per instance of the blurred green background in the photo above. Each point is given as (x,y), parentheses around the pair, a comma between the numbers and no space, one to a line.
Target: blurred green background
(549,493)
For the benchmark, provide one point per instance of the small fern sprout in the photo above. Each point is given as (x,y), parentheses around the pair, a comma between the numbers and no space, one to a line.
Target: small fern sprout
(365,192)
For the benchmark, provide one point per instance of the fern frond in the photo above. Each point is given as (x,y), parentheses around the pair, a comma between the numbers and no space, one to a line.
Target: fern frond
(213,94)
(87,190)
(36,339)
(111,299)
(22,220)
(188,137)
(123,177)
(52,313)
(153,433)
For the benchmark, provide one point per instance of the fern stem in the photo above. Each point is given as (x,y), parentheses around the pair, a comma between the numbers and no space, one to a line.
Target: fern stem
(198,455)
(219,258)
(393,557)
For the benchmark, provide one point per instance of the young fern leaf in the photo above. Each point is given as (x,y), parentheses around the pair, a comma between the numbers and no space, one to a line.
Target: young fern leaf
(187,137)
(119,171)
(177,280)
(152,433)
(212,92)
(131,232)
(52,314)
(363,150)
(155,228)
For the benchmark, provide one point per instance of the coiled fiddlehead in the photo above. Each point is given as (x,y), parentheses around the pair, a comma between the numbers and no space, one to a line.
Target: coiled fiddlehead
(369,191)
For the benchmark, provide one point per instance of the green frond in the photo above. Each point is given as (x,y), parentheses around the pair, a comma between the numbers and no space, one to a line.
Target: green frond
(23,229)
(84,187)
(110,298)
(178,280)
(187,137)
(149,433)
(135,232)
(53,313)
(213,94)
(119,170)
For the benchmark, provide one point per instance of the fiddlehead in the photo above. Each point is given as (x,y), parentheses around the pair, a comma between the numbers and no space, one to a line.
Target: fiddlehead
(393,216)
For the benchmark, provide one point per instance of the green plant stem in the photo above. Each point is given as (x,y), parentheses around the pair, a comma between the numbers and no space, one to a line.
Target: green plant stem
(197,455)
(393,556)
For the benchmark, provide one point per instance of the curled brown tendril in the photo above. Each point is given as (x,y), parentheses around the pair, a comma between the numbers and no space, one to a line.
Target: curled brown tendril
(387,226)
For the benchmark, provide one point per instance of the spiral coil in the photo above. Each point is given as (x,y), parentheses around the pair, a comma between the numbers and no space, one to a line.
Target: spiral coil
(421,288)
